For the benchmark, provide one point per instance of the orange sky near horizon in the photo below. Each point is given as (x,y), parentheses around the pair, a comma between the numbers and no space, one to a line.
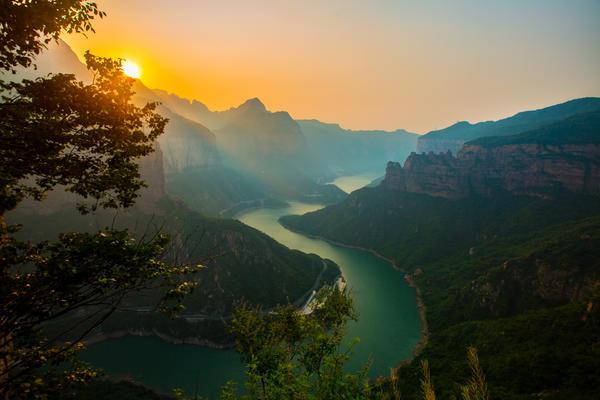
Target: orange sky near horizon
(378,64)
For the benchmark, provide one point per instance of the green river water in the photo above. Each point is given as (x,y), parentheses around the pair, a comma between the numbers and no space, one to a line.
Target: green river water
(352,182)
(388,325)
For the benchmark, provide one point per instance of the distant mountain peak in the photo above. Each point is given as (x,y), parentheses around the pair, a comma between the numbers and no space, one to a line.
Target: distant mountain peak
(200,105)
(253,104)
(460,124)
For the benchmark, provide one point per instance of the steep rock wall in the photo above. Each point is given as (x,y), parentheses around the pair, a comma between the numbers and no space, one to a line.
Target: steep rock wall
(529,169)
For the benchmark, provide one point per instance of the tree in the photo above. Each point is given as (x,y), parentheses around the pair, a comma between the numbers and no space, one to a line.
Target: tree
(290,355)
(58,133)
(56,130)
(27,26)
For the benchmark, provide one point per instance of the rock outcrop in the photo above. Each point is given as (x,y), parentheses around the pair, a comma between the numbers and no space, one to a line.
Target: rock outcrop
(426,144)
(187,144)
(522,169)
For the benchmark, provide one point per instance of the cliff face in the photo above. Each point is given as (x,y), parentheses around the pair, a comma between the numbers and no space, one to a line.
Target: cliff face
(534,283)
(152,172)
(187,144)
(529,169)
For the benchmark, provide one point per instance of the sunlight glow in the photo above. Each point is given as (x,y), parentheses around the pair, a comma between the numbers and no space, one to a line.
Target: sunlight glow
(131,69)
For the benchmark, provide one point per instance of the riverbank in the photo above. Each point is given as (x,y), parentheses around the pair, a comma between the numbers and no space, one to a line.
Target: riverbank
(423,318)
(409,278)
(388,326)
(302,303)
(103,336)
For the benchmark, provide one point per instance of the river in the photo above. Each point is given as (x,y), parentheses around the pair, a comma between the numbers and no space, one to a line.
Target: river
(388,324)
(352,182)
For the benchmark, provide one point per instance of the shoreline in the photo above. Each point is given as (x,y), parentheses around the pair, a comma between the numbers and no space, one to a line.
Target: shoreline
(301,302)
(101,337)
(409,278)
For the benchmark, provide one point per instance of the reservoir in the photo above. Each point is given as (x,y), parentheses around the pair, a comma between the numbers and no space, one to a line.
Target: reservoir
(388,324)
(350,183)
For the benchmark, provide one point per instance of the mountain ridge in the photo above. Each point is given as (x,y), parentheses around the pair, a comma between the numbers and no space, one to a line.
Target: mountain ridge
(252,266)
(561,156)
(453,137)
(500,253)
(348,152)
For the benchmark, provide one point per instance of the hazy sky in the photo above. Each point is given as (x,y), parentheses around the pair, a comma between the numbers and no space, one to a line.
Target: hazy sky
(418,65)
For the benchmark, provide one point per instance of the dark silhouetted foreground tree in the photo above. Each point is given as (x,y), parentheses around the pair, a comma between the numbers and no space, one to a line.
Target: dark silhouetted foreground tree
(58,131)
(86,139)
(290,355)
(27,26)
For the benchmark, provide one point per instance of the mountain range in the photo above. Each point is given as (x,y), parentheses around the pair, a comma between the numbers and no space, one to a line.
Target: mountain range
(502,241)
(497,223)
(215,163)
(562,156)
(453,137)
(241,262)
(350,152)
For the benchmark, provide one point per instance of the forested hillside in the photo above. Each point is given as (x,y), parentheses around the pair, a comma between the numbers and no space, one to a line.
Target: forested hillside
(516,276)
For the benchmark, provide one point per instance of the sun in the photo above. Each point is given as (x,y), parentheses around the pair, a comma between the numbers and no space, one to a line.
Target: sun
(131,69)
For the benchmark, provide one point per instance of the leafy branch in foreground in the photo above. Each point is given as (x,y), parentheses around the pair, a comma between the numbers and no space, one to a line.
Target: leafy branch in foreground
(426,384)
(81,274)
(56,130)
(291,355)
(28,26)
(57,133)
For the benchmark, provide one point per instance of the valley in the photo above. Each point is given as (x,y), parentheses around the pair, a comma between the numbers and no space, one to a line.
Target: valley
(299,200)
(502,240)
(388,326)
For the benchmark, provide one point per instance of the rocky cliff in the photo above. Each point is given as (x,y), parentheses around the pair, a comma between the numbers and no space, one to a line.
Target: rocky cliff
(561,156)
(153,174)
(187,144)
(529,169)
(426,144)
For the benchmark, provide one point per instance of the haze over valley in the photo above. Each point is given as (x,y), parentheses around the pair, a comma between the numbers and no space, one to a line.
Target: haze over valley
(159,243)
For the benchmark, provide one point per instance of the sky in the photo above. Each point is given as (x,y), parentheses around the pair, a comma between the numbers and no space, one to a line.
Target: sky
(370,64)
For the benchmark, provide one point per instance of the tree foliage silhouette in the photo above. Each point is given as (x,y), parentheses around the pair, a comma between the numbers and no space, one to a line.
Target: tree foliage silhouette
(290,355)
(28,26)
(59,133)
